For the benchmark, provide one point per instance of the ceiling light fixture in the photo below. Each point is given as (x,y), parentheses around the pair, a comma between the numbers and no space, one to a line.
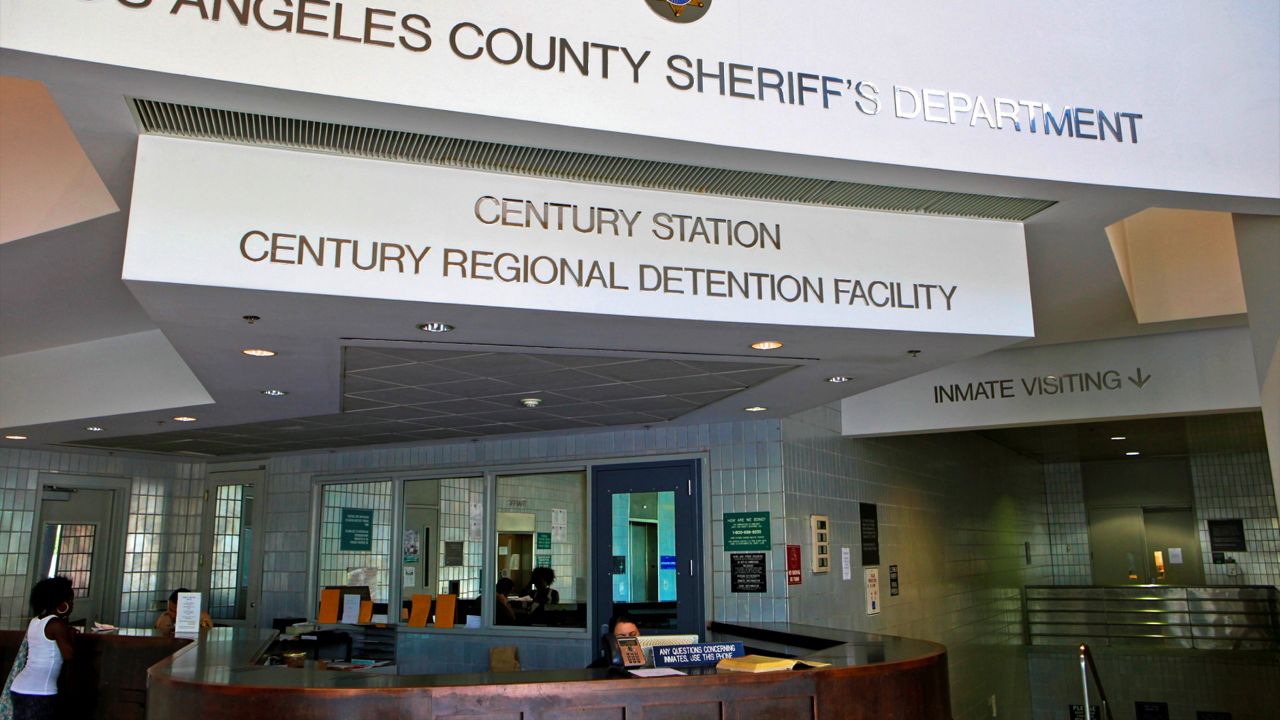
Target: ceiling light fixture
(766,345)
(183,418)
(272,392)
(756,408)
(531,402)
(838,379)
(258,352)
(914,353)
(1132,453)
(1118,437)
(435,327)
(15,437)
(94,428)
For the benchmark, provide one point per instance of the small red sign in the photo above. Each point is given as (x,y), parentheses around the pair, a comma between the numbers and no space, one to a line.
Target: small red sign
(793,565)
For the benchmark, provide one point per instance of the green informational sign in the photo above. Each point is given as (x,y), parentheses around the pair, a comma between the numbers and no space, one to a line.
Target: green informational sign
(543,561)
(544,541)
(357,530)
(746,531)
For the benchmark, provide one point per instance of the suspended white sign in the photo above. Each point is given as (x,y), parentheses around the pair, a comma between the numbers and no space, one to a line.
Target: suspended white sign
(1151,375)
(265,219)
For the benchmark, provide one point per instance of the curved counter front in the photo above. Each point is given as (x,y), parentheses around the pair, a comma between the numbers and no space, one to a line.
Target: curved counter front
(871,676)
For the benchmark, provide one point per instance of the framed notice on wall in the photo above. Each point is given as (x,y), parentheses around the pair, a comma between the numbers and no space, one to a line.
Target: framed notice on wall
(869,523)
(747,573)
(356,530)
(746,531)
(1227,535)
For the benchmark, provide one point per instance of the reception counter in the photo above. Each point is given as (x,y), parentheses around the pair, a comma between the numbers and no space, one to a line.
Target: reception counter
(108,679)
(871,676)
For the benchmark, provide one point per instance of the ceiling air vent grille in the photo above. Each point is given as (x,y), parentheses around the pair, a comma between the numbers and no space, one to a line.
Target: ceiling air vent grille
(173,119)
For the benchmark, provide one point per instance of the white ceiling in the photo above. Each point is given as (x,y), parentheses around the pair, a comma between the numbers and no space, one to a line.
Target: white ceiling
(63,287)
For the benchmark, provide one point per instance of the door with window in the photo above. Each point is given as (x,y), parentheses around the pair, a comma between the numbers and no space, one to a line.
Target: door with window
(1144,546)
(231,571)
(75,540)
(647,520)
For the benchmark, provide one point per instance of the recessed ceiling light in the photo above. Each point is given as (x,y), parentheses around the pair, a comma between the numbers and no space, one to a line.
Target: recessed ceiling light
(94,428)
(435,327)
(272,392)
(15,437)
(838,379)
(1118,437)
(766,345)
(531,402)
(258,352)
(1131,453)
(183,418)
(1050,377)
(756,408)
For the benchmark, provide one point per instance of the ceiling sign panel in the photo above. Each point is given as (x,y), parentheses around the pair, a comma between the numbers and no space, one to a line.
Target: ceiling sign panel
(266,219)
(1152,375)
(999,88)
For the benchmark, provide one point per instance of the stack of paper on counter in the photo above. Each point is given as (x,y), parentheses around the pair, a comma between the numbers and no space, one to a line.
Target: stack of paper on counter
(764,663)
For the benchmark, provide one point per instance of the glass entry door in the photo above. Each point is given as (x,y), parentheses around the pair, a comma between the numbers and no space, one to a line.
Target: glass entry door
(648,545)
(75,541)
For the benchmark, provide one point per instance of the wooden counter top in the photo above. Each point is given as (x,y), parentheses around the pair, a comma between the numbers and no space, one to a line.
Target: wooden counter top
(871,676)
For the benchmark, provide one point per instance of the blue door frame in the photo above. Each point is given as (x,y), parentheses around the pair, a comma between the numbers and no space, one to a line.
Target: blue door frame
(684,478)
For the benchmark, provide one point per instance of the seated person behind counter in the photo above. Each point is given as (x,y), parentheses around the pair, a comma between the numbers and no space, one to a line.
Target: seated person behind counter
(541,594)
(169,618)
(620,625)
(504,614)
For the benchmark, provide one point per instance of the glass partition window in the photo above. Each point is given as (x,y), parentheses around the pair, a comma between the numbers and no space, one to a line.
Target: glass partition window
(231,552)
(541,558)
(442,547)
(643,532)
(355,536)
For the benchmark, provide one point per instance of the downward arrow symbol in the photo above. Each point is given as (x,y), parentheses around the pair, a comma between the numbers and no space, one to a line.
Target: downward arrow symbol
(1141,380)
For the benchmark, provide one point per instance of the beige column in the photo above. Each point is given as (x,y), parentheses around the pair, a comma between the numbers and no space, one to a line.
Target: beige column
(1258,243)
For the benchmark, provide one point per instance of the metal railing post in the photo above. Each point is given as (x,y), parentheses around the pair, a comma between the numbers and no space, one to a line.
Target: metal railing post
(1089,667)
(1084,678)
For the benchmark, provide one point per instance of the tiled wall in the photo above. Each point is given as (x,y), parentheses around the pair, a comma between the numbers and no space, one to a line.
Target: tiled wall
(1068,526)
(1238,485)
(161,544)
(954,513)
(1225,485)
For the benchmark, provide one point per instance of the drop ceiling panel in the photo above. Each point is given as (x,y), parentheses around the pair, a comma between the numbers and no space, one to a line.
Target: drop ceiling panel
(482,404)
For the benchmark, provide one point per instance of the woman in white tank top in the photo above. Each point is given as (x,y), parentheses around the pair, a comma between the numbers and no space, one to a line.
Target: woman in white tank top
(35,689)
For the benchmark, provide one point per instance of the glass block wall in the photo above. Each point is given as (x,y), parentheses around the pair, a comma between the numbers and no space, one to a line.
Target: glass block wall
(161,545)
(162,548)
